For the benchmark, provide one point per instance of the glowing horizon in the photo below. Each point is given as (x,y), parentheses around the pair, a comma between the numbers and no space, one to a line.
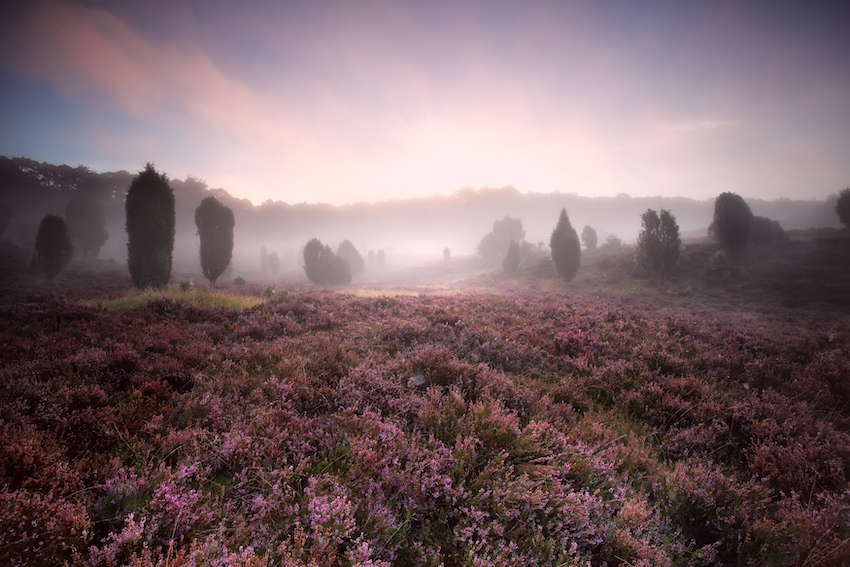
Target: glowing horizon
(343,103)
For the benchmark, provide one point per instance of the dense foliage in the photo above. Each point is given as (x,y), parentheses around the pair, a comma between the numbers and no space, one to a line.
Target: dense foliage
(565,246)
(731,224)
(512,259)
(322,266)
(87,223)
(494,244)
(348,251)
(658,244)
(150,228)
(549,429)
(588,237)
(842,207)
(53,247)
(215,227)
(767,232)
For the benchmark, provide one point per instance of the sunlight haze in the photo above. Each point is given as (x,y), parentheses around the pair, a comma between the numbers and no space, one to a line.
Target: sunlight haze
(340,102)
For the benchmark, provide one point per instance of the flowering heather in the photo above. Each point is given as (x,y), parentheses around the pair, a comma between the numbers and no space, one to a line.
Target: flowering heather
(523,428)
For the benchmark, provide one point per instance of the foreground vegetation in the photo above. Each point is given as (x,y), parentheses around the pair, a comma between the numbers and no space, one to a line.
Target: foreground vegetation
(525,423)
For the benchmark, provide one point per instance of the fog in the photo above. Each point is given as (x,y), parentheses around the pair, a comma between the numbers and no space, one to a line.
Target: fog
(410,232)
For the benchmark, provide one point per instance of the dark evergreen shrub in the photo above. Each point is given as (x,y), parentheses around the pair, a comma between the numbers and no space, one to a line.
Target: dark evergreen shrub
(658,245)
(511,262)
(87,225)
(322,266)
(53,248)
(588,237)
(731,225)
(347,250)
(767,232)
(495,243)
(150,228)
(566,249)
(215,227)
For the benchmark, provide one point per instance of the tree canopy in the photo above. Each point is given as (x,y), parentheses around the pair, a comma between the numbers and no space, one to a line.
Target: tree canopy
(566,249)
(215,224)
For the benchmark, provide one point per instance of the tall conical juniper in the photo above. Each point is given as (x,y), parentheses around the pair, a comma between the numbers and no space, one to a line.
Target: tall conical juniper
(150,228)
(566,248)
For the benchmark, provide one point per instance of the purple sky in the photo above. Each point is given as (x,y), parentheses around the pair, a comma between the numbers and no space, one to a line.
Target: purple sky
(340,102)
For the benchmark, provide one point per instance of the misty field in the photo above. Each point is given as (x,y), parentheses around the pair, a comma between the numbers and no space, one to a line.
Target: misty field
(497,421)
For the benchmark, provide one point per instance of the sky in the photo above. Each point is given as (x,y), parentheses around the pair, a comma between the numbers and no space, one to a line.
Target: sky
(347,101)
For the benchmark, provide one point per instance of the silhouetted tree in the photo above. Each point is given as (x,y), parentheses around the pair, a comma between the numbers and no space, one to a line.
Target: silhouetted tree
(495,243)
(511,262)
(322,266)
(215,227)
(347,250)
(767,232)
(264,259)
(447,254)
(658,245)
(732,223)
(488,246)
(150,228)
(274,264)
(566,249)
(53,246)
(842,207)
(588,237)
(87,224)
(381,258)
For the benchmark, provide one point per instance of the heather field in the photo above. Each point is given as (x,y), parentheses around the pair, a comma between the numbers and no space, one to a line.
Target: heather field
(451,420)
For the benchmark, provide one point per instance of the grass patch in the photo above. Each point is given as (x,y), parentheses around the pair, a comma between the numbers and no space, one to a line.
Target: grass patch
(198,297)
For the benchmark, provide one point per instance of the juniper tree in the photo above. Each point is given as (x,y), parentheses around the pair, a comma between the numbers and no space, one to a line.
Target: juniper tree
(53,246)
(495,243)
(347,250)
(767,232)
(150,228)
(658,245)
(565,246)
(215,224)
(588,237)
(731,225)
(511,262)
(322,266)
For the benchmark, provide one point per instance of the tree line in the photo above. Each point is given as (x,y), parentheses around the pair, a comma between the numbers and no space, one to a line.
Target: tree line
(150,226)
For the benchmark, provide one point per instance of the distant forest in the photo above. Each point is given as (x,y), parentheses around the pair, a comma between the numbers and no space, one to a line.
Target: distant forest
(410,230)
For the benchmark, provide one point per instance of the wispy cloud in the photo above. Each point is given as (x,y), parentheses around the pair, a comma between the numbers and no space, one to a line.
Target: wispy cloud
(340,102)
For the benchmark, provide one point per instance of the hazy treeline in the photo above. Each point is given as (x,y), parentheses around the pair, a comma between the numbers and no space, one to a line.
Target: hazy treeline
(409,230)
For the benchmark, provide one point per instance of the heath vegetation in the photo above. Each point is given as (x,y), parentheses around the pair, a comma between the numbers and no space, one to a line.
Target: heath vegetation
(602,421)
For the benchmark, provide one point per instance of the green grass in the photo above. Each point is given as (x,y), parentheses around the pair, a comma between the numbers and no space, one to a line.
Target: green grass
(198,297)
